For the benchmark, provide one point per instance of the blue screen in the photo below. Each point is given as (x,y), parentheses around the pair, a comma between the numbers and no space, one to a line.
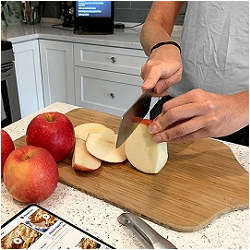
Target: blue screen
(93,9)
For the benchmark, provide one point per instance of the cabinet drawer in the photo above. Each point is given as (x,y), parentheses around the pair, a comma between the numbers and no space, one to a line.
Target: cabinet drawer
(105,91)
(108,92)
(127,61)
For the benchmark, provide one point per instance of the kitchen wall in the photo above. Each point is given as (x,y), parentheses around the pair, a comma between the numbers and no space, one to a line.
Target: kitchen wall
(124,11)
(131,11)
(136,11)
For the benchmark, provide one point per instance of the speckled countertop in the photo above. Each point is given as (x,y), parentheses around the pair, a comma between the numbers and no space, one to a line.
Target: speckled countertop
(127,38)
(100,218)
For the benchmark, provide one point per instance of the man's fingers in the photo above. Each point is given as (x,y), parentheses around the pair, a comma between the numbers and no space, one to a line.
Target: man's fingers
(164,84)
(184,129)
(171,116)
(151,79)
(142,72)
(190,97)
(157,72)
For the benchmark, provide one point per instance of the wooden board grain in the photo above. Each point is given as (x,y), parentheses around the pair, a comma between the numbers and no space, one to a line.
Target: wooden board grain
(201,181)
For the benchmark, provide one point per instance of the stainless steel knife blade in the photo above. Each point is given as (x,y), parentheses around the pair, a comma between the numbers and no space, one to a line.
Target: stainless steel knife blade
(132,117)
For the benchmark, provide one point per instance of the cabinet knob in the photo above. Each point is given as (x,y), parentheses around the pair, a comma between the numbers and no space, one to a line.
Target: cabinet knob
(113,59)
(112,95)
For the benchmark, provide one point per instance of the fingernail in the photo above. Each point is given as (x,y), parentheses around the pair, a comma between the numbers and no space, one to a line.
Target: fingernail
(157,138)
(152,128)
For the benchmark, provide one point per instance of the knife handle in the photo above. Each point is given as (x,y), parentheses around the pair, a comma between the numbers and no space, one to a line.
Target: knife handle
(147,235)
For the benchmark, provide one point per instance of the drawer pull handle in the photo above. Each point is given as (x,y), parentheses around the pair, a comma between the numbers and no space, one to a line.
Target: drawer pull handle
(113,59)
(112,95)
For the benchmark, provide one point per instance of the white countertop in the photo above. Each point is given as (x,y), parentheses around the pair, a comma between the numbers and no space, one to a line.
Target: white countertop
(127,38)
(100,218)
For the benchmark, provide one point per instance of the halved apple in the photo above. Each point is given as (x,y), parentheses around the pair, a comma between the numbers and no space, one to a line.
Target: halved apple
(82,131)
(102,146)
(82,160)
(143,153)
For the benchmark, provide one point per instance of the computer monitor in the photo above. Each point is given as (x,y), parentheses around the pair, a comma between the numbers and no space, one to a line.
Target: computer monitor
(94,17)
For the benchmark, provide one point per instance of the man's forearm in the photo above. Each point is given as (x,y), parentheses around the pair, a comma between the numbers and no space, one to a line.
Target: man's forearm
(151,34)
(159,24)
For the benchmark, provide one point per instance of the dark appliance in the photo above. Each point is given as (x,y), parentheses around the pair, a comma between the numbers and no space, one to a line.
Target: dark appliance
(10,108)
(93,17)
(67,11)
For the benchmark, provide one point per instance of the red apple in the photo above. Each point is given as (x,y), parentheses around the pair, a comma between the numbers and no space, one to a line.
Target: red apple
(7,146)
(52,131)
(30,174)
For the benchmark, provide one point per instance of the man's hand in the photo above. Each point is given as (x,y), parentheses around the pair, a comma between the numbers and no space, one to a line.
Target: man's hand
(199,114)
(162,69)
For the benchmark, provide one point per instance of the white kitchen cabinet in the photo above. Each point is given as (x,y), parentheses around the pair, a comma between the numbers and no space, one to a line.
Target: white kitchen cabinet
(29,78)
(107,78)
(57,71)
(105,91)
(98,77)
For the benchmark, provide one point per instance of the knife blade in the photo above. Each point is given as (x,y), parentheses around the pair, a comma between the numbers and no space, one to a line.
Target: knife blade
(132,117)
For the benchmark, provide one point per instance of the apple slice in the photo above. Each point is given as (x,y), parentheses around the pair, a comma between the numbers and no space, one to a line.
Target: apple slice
(144,154)
(82,131)
(82,160)
(102,146)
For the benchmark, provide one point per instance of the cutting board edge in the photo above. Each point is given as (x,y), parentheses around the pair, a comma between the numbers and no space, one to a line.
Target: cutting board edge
(185,229)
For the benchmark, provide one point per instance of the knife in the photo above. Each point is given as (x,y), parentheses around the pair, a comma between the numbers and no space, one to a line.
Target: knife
(133,116)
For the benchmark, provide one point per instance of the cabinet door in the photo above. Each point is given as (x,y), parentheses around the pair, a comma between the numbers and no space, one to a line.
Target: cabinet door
(57,71)
(29,79)
(105,91)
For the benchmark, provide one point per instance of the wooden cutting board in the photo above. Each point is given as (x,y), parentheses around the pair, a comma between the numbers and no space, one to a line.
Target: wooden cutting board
(201,181)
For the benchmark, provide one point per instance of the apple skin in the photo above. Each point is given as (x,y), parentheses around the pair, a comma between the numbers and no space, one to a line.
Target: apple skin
(147,122)
(30,174)
(52,131)
(7,146)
